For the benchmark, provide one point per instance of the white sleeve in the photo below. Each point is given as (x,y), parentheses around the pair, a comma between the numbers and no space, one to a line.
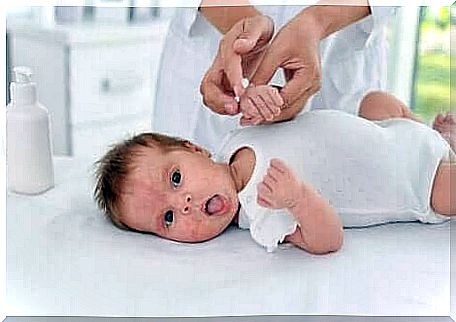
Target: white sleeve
(188,15)
(269,227)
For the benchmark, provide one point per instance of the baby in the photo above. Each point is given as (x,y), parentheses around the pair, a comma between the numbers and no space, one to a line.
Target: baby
(299,181)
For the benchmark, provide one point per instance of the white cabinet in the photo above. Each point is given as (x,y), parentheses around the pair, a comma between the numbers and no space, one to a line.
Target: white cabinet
(97,82)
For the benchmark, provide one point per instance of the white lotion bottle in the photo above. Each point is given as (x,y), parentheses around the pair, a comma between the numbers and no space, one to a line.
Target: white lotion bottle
(30,167)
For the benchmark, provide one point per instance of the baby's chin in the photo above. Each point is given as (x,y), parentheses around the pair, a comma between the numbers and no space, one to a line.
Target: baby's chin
(203,237)
(194,240)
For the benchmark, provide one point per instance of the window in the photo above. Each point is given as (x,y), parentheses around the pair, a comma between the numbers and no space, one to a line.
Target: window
(431,88)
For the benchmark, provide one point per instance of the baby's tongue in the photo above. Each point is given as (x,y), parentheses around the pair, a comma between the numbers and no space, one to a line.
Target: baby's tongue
(215,204)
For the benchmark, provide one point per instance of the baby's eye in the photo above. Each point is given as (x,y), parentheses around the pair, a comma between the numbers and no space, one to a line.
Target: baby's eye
(176,178)
(169,217)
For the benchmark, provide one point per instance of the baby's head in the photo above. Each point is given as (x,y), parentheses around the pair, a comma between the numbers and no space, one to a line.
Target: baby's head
(166,186)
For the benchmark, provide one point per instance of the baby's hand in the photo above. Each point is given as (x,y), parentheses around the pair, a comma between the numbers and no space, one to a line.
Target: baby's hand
(280,187)
(260,104)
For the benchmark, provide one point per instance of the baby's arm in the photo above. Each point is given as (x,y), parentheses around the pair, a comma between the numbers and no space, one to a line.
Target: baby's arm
(320,230)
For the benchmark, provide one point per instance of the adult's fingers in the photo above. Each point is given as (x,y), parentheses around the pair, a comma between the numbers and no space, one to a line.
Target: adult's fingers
(256,33)
(273,58)
(247,37)
(233,67)
(213,94)
(304,82)
(293,108)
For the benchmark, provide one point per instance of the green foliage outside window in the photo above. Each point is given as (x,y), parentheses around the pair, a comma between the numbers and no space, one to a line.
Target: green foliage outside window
(432,82)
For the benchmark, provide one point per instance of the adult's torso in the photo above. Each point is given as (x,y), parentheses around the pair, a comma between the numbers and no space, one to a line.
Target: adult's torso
(350,68)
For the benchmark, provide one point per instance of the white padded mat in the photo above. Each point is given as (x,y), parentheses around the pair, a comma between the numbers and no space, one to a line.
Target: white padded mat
(64,258)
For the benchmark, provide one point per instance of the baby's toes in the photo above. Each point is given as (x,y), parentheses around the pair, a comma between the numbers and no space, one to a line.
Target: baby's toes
(271,105)
(276,98)
(438,121)
(247,108)
(450,118)
(263,108)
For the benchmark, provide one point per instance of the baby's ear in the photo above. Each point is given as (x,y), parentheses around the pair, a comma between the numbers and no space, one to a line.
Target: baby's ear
(197,149)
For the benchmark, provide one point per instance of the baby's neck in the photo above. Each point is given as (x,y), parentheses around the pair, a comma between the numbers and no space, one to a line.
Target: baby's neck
(241,167)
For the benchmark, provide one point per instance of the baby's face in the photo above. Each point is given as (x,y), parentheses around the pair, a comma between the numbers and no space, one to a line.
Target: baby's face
(180,194)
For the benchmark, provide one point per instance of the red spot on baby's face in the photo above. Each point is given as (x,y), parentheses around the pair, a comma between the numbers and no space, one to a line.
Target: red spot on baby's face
(167,192)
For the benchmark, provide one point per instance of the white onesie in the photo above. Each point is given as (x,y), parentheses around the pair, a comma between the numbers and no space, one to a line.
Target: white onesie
(371,172)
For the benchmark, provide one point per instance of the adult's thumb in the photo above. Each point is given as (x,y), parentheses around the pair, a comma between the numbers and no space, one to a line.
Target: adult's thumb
(244,45)
(300,87)
(271,61)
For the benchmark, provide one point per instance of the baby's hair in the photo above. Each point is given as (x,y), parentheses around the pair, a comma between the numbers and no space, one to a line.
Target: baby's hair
(113,168)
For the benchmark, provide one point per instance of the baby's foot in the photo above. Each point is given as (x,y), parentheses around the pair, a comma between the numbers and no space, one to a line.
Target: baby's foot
(260,104)
(446,126)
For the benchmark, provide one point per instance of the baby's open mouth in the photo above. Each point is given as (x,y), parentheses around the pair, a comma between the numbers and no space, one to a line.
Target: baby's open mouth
(215,205)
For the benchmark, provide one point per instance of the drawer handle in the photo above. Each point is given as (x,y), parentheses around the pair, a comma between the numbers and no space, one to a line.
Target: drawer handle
(120,85)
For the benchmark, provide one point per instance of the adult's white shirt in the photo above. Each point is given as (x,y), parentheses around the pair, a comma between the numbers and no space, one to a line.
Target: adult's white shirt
(353,62)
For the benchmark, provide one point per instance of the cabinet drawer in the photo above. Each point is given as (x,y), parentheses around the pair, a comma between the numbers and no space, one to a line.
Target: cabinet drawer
(107,82)
(93,141)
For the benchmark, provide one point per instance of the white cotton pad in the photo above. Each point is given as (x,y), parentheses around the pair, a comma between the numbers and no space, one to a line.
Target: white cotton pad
(245,83)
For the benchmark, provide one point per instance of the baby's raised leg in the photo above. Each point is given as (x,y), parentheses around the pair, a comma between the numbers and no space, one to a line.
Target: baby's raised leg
(377,105)
(443,198)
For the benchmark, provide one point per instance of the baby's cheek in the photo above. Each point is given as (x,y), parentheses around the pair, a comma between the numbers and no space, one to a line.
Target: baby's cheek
(134,219)
(192,228)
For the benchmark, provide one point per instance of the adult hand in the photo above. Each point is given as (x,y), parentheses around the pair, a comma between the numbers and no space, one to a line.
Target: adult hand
(239,53)
(295,49)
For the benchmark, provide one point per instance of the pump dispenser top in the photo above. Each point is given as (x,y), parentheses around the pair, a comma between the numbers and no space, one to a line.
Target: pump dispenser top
(23,90)
(22,74)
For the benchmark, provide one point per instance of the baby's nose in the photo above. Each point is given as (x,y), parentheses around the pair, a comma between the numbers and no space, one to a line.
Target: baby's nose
(187,206)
